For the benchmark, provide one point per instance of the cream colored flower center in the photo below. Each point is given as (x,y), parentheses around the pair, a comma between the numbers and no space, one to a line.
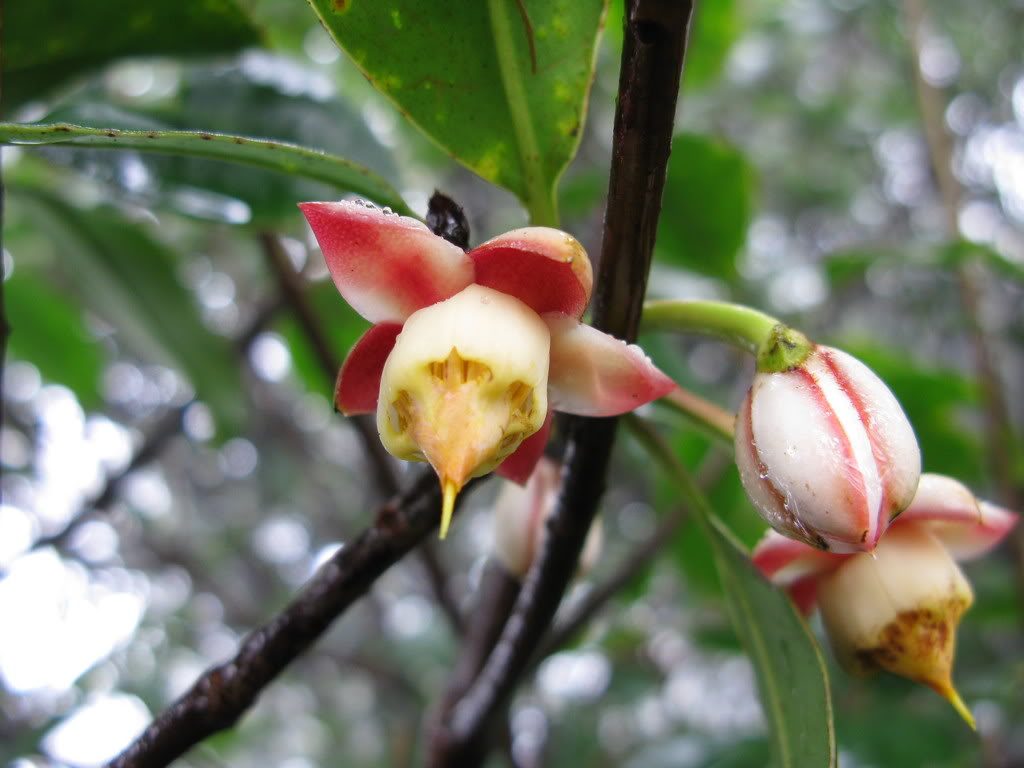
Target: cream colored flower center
(465,384)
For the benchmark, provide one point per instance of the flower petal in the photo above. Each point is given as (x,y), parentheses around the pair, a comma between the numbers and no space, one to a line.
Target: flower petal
(966,526)
(788,562)
(359,378)
(544,268)
(594,374)
(385,265)
(519,466)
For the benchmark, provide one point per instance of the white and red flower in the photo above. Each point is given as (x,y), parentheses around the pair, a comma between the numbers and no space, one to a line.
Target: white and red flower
(825,452)
(469,352)
(896,608)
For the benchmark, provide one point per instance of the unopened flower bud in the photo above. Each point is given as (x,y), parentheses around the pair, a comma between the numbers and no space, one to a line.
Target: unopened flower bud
(520,521)
(897,609)
(465,384)
(825,452)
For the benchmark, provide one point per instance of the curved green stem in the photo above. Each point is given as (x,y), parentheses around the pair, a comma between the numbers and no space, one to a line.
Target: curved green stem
(776,346)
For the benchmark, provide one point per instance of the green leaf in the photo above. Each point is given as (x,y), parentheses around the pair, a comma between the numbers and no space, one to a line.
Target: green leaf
(48,332)
(963,251)
(463,73)
(224,99)
(129,279)
(792,677)
(274,155)
(715,28)
(47,42)
(791,672)
(708,204)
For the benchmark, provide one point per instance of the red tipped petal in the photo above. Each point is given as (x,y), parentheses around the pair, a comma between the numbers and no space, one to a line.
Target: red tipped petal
(594,374)
(788,562)
(519,466)
(544,268)
(966,526)
(386,266)
(804,594)
(359,378)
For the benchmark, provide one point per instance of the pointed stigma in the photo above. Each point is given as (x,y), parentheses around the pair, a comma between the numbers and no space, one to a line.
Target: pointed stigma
(951,694)
(450,490)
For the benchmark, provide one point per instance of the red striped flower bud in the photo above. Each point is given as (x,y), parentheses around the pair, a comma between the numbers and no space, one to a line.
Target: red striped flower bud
(825,452)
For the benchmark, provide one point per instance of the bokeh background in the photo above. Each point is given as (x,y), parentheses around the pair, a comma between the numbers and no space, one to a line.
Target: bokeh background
(800,183)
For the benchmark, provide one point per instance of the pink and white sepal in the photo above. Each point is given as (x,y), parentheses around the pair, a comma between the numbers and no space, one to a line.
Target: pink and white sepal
(520,521)
(896,608)
(825,451)
(469,352)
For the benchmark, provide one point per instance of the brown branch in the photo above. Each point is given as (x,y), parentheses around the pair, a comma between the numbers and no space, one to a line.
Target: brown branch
(293,290)
(1000,440)
(655,42)
(224,693)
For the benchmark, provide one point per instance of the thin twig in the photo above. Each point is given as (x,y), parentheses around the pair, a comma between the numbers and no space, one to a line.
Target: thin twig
(294,291)
(655,42)
(1000,440)
(5,328)
(224,693)
(168,426)
(635,563)
(437,580)
(158,437)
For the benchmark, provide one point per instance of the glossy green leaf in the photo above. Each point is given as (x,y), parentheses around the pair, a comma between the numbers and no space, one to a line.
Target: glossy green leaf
(129,279)
(47,331)
(464,73)
(791,673)
(226,99)
(47,42)
(708,204)
(273,155)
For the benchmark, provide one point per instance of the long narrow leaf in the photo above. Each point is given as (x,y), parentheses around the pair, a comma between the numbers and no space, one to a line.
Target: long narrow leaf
(791,673)
(274,155)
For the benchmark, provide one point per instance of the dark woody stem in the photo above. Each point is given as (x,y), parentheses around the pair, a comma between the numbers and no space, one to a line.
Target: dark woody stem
(652,57)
